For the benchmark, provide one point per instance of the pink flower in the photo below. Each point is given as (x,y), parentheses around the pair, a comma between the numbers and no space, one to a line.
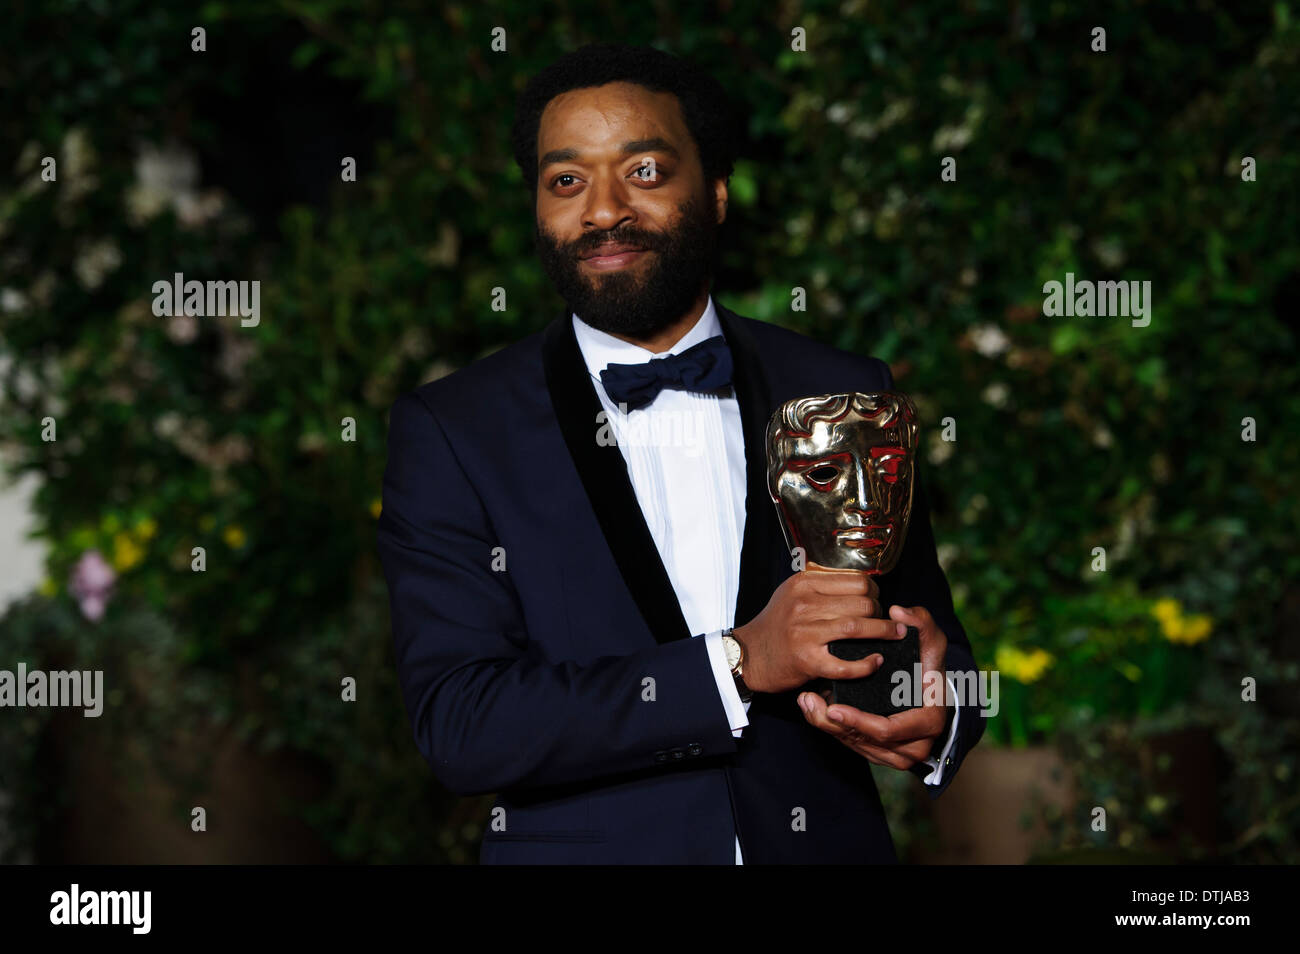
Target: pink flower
(91,583)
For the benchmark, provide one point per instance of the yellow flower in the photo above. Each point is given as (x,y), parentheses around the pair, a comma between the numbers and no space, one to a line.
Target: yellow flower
(1196,629)
(234,536)
(1036,664)
(1023,666)
(146,528)
(1166,609)
(376,506)
(48,587)
(1177,628)
(126,552)
(1172,627)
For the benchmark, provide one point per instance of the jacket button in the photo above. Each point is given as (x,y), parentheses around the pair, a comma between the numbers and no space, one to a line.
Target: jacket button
(695,748)
(677,754)
(661,756)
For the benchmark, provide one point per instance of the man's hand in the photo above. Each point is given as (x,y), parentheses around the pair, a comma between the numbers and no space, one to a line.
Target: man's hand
(785,645)
(905,738)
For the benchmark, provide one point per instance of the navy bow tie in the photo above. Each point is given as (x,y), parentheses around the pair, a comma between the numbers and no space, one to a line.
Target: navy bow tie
(702,367)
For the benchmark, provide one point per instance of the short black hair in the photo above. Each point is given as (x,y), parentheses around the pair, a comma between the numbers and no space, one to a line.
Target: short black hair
(711,116)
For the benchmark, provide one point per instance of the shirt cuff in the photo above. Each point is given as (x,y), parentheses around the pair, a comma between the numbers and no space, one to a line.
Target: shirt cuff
(736,710)
(938,763)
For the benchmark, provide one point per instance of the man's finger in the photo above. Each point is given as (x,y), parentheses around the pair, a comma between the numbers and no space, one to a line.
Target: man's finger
(898,729)
(814,710)
(832,667)
(833,581)
(873,589)
(851,606)
(859,627)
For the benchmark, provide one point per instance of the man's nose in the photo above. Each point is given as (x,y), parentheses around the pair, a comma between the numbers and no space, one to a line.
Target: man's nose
(607,205)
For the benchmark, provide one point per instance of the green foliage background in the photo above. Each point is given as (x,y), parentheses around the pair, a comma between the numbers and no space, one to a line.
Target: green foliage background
(1071,433)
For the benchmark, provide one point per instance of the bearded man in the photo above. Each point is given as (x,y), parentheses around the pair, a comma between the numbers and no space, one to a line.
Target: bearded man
(603,628)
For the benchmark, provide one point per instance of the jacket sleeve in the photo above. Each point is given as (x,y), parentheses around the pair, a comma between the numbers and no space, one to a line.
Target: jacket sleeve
(488,712)
(918,580)
(921,582)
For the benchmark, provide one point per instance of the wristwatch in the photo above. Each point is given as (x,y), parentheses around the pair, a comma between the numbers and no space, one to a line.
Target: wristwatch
(735,652)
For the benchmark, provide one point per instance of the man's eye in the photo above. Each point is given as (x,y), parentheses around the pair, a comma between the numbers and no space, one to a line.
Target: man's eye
(646,171)
(563,175)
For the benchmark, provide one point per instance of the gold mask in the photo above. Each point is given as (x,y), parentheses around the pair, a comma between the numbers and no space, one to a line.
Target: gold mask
(839,469)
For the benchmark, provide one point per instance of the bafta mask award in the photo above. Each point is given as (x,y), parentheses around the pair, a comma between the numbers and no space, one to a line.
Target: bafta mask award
(839,469)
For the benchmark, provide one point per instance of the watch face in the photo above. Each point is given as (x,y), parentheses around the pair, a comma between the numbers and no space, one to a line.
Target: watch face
(732,649)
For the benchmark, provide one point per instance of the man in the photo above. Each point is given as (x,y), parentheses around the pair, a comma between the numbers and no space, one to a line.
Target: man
(606,629)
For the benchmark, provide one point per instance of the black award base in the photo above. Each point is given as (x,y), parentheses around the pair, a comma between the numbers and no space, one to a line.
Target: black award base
(875,693)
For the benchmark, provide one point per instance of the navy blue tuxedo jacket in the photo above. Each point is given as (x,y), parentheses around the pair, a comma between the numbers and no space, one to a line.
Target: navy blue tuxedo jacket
(527,679)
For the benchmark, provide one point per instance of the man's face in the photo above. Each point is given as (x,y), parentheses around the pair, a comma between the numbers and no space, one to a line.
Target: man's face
(626,223)
(845,490)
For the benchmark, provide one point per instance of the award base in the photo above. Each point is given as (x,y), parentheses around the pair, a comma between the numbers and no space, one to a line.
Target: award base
(874,693)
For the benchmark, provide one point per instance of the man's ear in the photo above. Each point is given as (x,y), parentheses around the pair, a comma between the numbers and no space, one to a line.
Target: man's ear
(720,200)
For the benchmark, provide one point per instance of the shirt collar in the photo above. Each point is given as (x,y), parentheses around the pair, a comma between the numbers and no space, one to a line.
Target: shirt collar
(599,350)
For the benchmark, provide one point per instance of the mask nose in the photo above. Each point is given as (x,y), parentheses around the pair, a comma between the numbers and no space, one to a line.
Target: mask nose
(863,504)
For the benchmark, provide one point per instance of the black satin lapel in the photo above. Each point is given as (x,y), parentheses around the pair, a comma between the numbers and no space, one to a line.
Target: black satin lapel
(762,532)
(604,475)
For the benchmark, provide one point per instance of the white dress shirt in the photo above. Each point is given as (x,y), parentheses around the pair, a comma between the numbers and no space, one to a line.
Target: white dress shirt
(685,455)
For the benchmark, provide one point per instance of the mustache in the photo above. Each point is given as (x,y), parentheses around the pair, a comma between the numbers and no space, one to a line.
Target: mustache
(594,240)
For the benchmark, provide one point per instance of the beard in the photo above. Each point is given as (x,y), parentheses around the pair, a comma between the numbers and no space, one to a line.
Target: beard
(637,300)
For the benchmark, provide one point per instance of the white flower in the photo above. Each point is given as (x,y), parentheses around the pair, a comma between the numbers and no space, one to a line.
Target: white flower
(95,261)
(182,329)
(77,152)
(996,394)
(954,138)
(939,449)
(168,177)
(167,425)
(195,210)
(951,138)
(989,340)
(12,300)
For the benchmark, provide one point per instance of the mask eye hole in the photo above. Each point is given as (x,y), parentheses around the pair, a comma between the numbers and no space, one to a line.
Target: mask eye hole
(822,476)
